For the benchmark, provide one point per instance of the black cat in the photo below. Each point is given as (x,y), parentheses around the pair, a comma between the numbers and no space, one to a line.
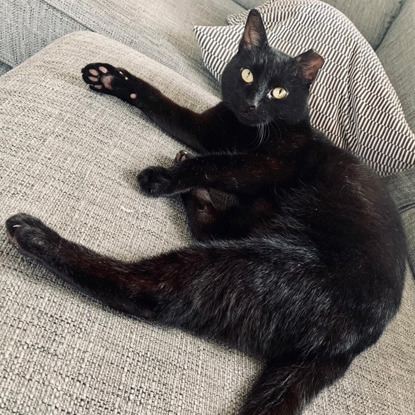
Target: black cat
(304,272)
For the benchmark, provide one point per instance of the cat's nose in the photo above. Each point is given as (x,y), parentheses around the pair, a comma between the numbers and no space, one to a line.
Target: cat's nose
(251,105)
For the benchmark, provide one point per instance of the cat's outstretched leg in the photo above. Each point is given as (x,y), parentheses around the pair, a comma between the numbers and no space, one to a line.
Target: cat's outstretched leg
(220,291)
(104,278)
(137,288)
(181,123)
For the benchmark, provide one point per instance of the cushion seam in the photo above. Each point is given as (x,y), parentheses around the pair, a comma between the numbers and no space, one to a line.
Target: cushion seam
(66,15)
(86,28)
(391,22)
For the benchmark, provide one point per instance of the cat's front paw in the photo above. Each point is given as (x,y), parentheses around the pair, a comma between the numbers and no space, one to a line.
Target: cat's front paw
(156,181)
(30,236)
(106,78)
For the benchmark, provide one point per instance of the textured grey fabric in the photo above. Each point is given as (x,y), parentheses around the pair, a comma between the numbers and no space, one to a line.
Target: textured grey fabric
(29,25)
(4,68)
(402,188)
(397,54)
(161,29)
(371,17)
(249,4)
(67,155)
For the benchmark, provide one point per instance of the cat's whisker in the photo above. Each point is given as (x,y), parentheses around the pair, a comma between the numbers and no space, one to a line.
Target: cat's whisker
(263,133)
(258,138)
(275,124)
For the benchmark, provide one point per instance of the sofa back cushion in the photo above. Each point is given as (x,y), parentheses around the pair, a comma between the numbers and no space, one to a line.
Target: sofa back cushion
(160,29)
(371,17)
(397,54)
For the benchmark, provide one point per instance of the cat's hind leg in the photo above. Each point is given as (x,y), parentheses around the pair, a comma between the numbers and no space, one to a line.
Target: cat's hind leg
(101,277)
(209,223)
(201,212)
(205,220)
(219,290)
(158,288)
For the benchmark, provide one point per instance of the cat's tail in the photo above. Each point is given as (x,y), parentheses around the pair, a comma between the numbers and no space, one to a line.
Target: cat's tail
(285,390)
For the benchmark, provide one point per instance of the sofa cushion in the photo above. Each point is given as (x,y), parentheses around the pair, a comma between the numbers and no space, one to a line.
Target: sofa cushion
(352,100)
(397,54)
(371,17)
(68,156)
(402,189)
(161,29)
(28,26)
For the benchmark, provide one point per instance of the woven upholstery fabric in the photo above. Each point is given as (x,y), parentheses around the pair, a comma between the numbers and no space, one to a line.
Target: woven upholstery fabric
(397,54)
(28,26)
(67,155)
(402,188)
(372,17)
(160,29)
(352,100)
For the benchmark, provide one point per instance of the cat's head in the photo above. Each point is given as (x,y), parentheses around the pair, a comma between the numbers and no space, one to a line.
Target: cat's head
(261,84)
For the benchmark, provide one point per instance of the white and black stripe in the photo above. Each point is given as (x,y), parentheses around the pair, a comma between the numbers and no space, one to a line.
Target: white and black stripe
(352,100)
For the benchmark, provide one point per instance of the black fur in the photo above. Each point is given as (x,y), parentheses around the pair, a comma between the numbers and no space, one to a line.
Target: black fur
(304,272)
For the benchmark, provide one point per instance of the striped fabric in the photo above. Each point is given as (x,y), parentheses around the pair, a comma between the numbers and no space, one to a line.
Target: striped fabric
(352,100)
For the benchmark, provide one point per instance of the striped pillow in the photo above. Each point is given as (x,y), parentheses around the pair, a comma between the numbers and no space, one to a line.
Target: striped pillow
(352,100)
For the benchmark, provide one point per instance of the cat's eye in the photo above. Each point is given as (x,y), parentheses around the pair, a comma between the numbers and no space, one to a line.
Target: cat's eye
(279,93)
(247,76)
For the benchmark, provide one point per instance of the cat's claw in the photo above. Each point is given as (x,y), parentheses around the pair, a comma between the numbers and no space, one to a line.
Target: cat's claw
(29,235)
(182,155)
(155,181)
(105,78)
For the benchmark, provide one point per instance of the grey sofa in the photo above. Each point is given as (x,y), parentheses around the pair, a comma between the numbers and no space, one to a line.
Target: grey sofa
(69,156)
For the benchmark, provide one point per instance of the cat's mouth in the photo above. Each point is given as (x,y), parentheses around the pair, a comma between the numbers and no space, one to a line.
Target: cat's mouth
(250,118)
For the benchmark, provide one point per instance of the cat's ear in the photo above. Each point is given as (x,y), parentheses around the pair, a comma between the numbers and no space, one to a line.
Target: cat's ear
(309,64)
(254,34)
